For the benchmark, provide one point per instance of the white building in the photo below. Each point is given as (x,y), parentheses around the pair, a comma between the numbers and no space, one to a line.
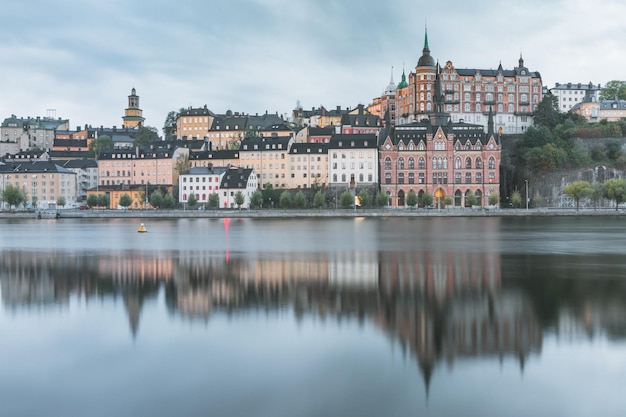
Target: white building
(353,158)
(571,94)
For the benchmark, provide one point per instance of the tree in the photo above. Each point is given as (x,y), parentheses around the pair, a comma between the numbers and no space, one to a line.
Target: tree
(92,200)
(100,144)
(537,199)
(346,200)
(319,199)
(125,200)
(169,202)
(268,195)
(382,199)
(411,199)
(516,198)
(169,127)
(156,199)
(239,199)
(364,198)
(615,190)
(427,199)
(285,199)
(192,201)
(103,200)
(60,201)
(547,112)
(214,201)
(595,194)
(182,163)
(577,190)
(256,199)
(12,195)
(145,136)
(299,200)
(470,199)
(614,89)
(494,198)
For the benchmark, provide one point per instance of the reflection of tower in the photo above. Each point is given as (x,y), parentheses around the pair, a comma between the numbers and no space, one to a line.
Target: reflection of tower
(133,114)
(132,303)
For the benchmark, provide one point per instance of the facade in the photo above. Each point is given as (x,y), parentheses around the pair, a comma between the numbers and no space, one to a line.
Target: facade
(44,182)
(86,171)
(320,117)
(442,158)
(353,160)
(468,94)
(308,165)
(236,180)
(21,134)
(201,181)
(214,158)
(595,110)
(137,193)
(133,117)
(570,94)
(360,121)
(386,103)
(194,123)
(269,157)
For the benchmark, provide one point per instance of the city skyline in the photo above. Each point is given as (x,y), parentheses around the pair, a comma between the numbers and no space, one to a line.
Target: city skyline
(267,55)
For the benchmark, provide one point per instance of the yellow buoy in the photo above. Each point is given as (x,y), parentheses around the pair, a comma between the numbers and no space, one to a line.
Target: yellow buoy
(142,228)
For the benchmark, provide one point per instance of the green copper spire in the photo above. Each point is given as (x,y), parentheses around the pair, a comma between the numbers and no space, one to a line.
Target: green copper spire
(426,38)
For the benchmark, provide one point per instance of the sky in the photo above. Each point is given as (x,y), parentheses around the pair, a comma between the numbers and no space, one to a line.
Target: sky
(79,59)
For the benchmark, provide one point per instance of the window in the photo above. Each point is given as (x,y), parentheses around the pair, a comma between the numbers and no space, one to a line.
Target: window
(479,177)
(468,178)
(400,163)
(411,178)
(421,163)
(457,163)
(401,178)
(457,177)
(492,163)
(420,178)
(411,163)
(468,163)
(479,163)
(387,178)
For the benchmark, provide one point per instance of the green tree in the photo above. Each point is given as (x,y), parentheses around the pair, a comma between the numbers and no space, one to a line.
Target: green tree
(104,200)
(169,202)
(382,199)
(319,199)
(256,199)
(169,127)
(192,201)
(365,198)
(411,199)
(269,195)
(125,200)
(427,199)
(61,201)
(92,200)
(614,89)
(595,194)
(494,199)
(182,163)
(156,199)
(214,201)
(577,190)
(12,195)
(516,199)
(239,199)
(615,190)
(285,199)
(99,145)
(299,200)
(346,200)
(145,136)
(470,199)
(547,112)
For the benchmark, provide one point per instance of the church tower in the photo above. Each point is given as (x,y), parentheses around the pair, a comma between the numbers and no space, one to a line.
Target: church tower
(133,114)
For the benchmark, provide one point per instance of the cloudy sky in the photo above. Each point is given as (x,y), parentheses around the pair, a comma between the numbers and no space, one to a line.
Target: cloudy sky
(82,57)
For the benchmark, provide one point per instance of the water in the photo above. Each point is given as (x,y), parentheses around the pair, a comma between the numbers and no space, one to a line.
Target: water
(332,317)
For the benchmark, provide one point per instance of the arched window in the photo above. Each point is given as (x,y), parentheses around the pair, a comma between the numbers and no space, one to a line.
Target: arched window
(477,107)
(421,163)
(335,177)
(400,163)
(457,177)
(388,178)
(400,177)
(479,198)
(420,178)
(457,163)
(411,163)
(492,163)
(499,98)
(468,163)
(421,146)
(479,177)
(479,163)
(343,177)
(434,163)
(492,177)
(411,178)
(445,163)
(511,108)
(387,163)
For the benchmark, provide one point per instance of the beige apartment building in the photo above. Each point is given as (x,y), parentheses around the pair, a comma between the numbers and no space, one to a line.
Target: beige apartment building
(269,157)
(308,165)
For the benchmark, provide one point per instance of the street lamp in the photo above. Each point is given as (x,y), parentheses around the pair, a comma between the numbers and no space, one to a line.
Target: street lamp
(526,181)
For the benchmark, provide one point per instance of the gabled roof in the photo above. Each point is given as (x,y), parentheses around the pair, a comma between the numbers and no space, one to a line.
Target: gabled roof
(235,178)
(79,163)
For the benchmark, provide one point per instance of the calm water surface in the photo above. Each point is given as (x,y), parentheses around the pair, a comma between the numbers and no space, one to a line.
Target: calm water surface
(319,317)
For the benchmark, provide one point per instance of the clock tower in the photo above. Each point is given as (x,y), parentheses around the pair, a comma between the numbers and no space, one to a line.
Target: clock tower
(133,114)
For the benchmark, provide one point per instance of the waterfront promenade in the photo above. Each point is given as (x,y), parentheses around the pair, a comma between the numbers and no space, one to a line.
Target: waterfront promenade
(295,213)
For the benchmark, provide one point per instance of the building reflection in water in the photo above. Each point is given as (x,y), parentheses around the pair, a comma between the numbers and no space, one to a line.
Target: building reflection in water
(438,306)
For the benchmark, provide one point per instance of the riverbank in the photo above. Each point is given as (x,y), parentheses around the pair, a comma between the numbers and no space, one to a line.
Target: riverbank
(289,213)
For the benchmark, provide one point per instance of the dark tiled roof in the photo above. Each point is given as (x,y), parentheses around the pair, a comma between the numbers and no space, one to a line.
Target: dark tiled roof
(343,141)
(201,111)
(235,178)
(79,163)
(309,148)
(264,143)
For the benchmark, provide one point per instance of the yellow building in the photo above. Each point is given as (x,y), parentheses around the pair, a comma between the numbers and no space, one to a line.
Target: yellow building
(115,192)
(133,114)
(308,165)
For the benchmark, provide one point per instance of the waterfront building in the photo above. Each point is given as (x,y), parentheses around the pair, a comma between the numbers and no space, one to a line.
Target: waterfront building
(200,181)
(234,180)
(469,94)
(570,94)
(43,182)
(442,158)
(136,192)
(86,171)
(269,157)
(133,115)
(353,160)
(308,165)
